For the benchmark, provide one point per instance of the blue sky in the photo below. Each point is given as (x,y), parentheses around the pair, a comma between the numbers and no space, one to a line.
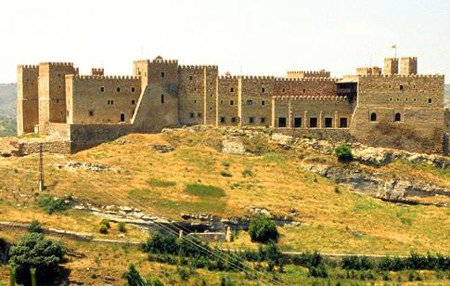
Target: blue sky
(243,37)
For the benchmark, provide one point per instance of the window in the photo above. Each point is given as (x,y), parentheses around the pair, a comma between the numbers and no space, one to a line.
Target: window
(222,119)
(343,122)
(190,77)
(328,122)
(122,117)
(304,90)
(398,99)
(263,89)
(199,114)
(251,120)
(284,90)
(118,89)
(373,117)
(133,89)
(401,87)
(231,102)
(429,100)
(91,113)
(191,115)
(110,102)
(249,102)
(263,120)
(231,89)
(263,102)
(221,102)
(162,98)
(390,99)
(233,119)
(281,121)
(195,101)
(312,122)
(133,102)
(297,122)
(162,74)
(397,117)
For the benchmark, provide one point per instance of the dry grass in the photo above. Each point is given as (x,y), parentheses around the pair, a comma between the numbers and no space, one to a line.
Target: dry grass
(333,222)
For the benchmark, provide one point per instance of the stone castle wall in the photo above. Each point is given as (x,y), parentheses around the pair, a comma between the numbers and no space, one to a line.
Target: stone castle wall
(161,93)
(101,99)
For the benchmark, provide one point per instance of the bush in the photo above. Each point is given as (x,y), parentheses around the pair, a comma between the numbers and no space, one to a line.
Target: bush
(105,221)
(225,173)
(356,263)
(133,277)
(51,205)
(35,251)
(343,152)
(308,259)
(122,226)
(35,226)
(318,271)
(226,281)
(263,230)
(103,229)
(247,173)
(161,243)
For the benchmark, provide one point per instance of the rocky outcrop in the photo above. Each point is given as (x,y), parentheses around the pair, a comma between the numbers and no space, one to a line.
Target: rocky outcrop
(90,167)
(375,184)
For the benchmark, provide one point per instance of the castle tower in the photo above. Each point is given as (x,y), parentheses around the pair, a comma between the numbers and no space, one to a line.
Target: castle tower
(98,71)
(27,98)
(52,93)
(390,66)
(408,65)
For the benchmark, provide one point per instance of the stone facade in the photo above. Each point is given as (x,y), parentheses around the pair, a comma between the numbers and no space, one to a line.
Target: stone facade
(53,99)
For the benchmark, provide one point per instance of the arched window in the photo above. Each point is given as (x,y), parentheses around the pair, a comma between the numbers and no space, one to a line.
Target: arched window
(397,117)
(373,116)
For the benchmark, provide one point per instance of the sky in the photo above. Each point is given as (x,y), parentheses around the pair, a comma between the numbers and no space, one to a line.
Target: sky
(253,37)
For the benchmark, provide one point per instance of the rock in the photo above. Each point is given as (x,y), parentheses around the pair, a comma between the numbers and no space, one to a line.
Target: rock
(282,140)
(126,209)
(233,145)
(185,216)
(163,148)
(259,211)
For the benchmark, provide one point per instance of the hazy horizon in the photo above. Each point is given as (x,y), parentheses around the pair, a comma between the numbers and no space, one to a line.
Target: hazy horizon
(242,37)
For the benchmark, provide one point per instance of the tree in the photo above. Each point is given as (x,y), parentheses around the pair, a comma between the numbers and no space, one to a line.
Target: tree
(134,277)
(35,226)
(343,152)
(263,230)
(35,251)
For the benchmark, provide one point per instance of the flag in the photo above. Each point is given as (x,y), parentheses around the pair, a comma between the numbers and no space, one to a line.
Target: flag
(394,46)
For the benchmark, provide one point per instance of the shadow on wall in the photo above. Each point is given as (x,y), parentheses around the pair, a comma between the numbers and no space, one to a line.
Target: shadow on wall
(385,134)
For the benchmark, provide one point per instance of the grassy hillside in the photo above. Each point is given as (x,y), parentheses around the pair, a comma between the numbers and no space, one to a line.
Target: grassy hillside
(333,219)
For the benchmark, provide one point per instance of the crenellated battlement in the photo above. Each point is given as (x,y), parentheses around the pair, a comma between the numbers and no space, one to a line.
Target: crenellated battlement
(163,61)
(98,77)
(28,66)
(58,64)
(306,74)
(307,79)
(248,77)
(404,76)
(197,67)
(311,97)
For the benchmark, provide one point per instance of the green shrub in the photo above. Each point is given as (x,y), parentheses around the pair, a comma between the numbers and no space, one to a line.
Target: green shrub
(247,173)
(263,230)
(343,152)
(354,262)
(103,229)
(133,277)
(226,164)
(308,259)
(35,226)
(184,273)
(319,271)
(105,222)
(225,173)
(35,251)
(51,205)
(226,281)
(161,243)
(122,226)
(205,190)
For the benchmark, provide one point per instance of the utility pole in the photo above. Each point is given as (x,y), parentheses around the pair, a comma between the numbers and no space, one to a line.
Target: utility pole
(41,185)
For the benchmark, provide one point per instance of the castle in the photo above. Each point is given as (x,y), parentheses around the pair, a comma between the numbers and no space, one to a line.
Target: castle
(374,104)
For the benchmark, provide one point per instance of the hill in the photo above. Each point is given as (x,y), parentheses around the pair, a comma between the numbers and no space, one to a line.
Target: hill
(8,96)
(218,175)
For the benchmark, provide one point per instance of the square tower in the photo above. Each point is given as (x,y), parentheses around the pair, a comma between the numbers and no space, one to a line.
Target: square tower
(408,65)
(390,66)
